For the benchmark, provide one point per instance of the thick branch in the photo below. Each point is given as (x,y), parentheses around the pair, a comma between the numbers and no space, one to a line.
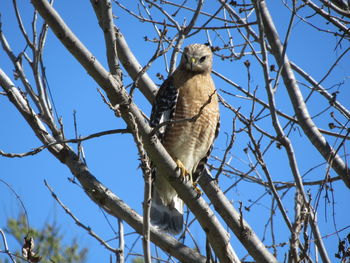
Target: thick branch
(297,68)
(93,188)
(331,98)
(117,95)
(328,17)
(336,8)
(133,67)
(103,10)
(232,218)
(221,204)
(287,145)
(78,222)
(300,109)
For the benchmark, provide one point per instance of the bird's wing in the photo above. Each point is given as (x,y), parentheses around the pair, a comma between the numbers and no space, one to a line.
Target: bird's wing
(164,104)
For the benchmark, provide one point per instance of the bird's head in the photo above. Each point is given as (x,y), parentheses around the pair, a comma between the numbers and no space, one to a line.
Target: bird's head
(197,58)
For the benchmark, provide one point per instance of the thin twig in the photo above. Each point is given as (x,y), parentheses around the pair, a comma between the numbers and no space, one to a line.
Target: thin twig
(266,27)
(120,254)
(19,200)
(146,168)
(190,119)
(327,16)
(183,34)
(228,148)
(78,222)
(77,140)
(159,52)
(306,123)
(6,251)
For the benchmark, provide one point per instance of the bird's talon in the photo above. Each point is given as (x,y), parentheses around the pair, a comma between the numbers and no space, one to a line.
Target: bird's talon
(196,188)
(184,172)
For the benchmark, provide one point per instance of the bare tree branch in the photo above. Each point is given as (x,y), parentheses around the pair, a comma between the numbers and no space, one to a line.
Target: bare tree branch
(117,95)
(133,67)
(266,26)
(6,251)
(232,218)
(147,173)
(265,135)
(328,17)
(78,222)
(103,10)
(340,11)
(120,255)
(296,98)
(297,68)
(93,188)
(80,139)
(331,98)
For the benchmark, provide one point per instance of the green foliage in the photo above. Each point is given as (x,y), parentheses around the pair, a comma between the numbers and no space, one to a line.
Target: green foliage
(141,260)
(48,242)
(138,260)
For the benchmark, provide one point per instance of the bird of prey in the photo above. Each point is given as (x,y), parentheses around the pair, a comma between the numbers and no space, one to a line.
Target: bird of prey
(189,100)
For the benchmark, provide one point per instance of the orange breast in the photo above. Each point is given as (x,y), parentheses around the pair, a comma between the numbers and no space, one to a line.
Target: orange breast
(190,141)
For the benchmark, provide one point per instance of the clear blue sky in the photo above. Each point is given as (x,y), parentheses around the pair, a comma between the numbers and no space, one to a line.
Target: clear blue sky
(113,159)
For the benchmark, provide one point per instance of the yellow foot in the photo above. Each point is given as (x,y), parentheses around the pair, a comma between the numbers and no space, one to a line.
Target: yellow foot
(184,172)
(196,188)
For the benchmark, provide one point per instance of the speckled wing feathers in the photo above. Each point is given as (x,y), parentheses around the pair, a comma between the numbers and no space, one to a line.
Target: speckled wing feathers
(164,102)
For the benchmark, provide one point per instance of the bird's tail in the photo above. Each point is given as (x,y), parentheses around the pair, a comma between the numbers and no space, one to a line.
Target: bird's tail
(167,217)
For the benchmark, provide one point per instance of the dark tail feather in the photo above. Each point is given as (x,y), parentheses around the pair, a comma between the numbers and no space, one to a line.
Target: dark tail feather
(166,218)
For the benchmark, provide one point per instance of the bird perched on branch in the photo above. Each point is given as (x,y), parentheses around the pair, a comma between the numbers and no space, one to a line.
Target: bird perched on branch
(189,100)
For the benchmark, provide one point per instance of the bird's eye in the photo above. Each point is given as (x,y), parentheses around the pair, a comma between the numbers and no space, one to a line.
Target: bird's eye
(202,59)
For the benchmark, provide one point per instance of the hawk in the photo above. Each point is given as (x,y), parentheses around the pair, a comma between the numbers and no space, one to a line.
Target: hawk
(189,100)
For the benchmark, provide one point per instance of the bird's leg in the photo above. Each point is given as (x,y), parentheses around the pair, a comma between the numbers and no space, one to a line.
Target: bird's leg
(185,173)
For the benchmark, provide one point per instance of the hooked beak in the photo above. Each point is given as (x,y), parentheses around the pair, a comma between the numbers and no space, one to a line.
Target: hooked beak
(193,61)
